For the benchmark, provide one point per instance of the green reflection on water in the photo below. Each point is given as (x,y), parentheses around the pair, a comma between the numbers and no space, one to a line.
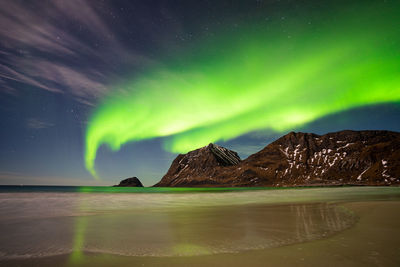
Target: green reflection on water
(79,239)
(78,243)
(110,189)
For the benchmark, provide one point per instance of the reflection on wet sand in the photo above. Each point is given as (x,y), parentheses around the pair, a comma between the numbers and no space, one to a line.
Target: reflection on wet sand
(79,240)
(207,230)
(172,232)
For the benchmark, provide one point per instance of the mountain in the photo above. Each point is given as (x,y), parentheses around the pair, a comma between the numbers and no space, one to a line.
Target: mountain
(200,167)
(130,182)
(296,159)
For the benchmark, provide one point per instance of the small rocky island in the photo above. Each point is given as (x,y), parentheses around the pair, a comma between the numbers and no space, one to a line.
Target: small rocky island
(130,182)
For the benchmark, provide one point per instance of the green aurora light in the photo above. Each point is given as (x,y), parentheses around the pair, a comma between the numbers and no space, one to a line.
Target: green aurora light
(256,78)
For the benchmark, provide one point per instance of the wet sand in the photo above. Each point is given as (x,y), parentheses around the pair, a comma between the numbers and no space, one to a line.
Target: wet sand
(370,240)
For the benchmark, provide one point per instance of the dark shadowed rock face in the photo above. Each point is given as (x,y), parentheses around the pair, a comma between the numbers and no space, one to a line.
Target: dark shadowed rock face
(130,182)
(346,157)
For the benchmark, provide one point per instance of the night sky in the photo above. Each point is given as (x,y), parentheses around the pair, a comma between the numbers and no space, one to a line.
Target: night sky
(92,92)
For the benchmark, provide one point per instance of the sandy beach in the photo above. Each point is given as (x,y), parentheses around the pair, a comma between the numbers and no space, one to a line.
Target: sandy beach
(303,233)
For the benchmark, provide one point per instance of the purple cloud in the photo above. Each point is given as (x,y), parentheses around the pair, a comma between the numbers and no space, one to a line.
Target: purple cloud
(34,123)
(38,48)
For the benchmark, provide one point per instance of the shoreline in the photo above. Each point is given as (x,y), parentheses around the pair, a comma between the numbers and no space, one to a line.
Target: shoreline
(4,189)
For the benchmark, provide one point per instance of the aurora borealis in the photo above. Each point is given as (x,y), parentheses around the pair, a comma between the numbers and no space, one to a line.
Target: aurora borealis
(259,77)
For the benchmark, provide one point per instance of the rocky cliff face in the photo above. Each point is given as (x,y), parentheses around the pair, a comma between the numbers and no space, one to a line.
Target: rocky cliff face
(200,167)
(346,157)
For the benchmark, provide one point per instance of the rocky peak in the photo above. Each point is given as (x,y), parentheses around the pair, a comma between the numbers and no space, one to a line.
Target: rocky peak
(292,139)
(223,155)
(202,162)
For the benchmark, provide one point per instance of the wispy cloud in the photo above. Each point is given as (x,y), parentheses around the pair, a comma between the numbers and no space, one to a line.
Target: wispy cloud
(34,123)
(54,46)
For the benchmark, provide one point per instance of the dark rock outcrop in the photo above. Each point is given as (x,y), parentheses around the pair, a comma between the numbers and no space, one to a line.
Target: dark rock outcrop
(130,182)
(296,159)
